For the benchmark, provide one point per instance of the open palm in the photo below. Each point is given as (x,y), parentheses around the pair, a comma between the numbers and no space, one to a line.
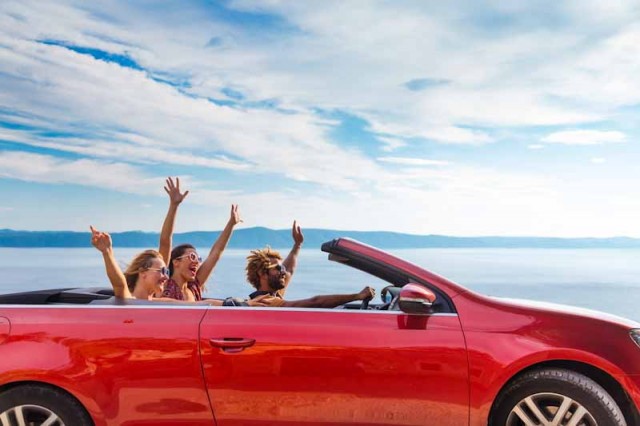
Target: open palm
(173,190)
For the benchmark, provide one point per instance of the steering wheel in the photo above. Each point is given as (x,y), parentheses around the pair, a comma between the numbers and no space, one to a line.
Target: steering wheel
(365,302)
(390,296)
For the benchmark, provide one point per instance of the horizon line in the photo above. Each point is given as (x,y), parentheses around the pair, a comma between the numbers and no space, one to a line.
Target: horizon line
(334,230)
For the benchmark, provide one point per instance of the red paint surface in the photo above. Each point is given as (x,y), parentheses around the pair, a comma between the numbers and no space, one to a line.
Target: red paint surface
(126,366)
(5,328)
(334,368)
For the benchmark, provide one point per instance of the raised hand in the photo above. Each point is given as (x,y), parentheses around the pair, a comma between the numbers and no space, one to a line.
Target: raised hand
(235,215)
(175,197)
(100,240)
(296,233)
(367,293)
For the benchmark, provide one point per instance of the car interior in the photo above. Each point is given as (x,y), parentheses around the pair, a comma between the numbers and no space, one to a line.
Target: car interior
(396,279)
(388,301)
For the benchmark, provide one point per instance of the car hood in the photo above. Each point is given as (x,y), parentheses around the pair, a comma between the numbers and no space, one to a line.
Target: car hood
(568,310)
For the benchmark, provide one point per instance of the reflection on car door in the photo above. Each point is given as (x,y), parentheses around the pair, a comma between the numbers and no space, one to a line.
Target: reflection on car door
(135,365)
(325,367)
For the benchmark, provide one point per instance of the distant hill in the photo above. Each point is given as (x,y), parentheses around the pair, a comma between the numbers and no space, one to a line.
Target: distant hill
(258,237)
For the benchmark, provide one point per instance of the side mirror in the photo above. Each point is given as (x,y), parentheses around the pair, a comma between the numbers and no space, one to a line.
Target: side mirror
(416,299)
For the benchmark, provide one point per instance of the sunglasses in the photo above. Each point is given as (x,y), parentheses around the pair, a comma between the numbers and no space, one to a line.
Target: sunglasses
(163,271)
(278,267)
(193,257)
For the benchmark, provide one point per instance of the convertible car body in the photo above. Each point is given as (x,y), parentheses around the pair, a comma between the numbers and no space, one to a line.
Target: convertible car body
(434,353)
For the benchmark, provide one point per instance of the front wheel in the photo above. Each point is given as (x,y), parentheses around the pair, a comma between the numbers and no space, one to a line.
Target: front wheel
(36,405)
(555,397)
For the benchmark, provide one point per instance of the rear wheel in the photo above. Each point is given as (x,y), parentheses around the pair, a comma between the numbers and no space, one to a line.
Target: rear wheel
(35,405)
(555,397)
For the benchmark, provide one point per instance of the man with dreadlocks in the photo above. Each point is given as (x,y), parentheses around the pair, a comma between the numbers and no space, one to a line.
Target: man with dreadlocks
(270,276)
(278,285)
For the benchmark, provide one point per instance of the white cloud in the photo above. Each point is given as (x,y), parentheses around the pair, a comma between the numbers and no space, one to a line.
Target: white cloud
(131,152)
(585,137)
(325,67)
(345,56)
(391,144)
(47,169)
(598,160)
(457,135)
(535,146)
(5,209)
(413,161)
(494,80)
(164,118)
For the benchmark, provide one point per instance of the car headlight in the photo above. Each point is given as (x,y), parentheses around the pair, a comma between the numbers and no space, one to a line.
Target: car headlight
(635,335)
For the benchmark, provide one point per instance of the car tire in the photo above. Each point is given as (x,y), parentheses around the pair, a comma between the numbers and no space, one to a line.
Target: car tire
(36,404)
(555,394)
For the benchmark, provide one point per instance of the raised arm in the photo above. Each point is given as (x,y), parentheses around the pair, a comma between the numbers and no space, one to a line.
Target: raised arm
(292,259)
(166,236)
(331,300)
(102,241)
(204,271)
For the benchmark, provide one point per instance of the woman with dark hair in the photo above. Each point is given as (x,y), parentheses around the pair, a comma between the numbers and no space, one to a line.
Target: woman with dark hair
(187,271)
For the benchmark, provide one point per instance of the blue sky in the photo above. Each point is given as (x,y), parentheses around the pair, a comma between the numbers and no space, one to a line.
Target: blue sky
(464,118)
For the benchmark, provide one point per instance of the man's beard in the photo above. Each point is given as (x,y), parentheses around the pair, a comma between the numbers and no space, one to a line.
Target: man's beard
(275,284)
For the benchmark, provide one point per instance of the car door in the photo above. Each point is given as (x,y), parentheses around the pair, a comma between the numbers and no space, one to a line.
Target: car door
(128,365)
(283,366)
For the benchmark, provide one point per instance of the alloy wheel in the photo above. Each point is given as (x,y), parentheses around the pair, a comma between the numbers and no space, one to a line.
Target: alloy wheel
(549,409)
(29,415)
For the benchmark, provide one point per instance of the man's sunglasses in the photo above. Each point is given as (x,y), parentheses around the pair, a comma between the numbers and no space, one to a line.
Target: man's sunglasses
(163,271)
(278,267)
(193,257)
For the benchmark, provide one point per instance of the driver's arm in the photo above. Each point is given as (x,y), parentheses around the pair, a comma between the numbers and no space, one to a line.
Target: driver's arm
(330,300)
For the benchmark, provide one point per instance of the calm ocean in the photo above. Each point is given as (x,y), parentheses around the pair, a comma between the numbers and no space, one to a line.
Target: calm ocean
(603,279)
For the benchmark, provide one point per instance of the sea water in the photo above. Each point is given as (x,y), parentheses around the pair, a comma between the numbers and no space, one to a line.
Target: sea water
(601,279)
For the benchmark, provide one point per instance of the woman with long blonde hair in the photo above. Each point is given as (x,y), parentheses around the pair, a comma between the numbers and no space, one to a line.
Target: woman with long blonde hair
(145,275)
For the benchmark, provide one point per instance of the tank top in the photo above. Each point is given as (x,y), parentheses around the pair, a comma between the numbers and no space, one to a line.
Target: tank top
(172,290)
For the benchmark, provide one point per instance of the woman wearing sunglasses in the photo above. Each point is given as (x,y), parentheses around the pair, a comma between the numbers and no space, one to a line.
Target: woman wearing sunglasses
(145,275)
(187,271)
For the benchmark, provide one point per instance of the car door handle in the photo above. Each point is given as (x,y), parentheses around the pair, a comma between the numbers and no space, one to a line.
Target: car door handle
(232,344)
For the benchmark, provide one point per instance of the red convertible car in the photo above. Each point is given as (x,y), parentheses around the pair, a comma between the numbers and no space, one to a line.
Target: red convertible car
(430,353)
